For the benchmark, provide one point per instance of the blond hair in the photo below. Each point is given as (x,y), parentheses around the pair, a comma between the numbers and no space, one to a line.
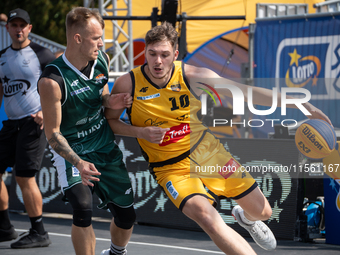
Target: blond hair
(78,17)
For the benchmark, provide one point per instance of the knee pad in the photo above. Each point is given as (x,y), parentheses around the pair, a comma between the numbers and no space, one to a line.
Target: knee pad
(82,218)
(123,217)
(28,173)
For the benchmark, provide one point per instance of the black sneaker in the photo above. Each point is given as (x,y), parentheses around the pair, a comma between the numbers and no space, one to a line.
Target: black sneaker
(31,240)
(8,235)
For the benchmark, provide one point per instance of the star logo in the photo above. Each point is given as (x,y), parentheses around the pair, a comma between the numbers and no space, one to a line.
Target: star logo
(5,79)
(315,80)
(161,202)
(294,58)
(276,210)
(126,152)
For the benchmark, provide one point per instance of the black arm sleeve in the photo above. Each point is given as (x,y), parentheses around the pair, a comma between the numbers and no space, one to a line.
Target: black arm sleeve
(44,55)
(52,72)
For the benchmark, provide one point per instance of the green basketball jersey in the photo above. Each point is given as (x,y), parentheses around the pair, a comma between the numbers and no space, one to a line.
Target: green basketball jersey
(83,123)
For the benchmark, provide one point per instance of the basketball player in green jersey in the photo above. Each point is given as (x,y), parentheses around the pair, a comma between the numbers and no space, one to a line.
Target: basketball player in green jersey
(74,92)
(164,120)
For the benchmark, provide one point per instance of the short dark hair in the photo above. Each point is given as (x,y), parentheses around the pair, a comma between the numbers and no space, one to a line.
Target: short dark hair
(163,32)
(79,17)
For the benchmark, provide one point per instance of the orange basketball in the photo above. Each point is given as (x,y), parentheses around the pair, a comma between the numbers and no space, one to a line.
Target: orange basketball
(315,139)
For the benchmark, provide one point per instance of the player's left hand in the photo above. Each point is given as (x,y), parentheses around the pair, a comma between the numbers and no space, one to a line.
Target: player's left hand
(120,101)
(38,118)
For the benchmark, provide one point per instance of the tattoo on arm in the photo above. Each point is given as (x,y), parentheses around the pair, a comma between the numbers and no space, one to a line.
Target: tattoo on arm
(61,146)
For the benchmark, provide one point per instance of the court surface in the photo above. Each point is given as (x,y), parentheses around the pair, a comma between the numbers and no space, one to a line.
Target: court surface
(147,240)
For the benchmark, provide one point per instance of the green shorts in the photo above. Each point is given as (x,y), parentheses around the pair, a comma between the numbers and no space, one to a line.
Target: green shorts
(114,185)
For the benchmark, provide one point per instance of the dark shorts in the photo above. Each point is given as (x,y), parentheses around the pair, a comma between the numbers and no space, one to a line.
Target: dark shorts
(22,144)
(114,185)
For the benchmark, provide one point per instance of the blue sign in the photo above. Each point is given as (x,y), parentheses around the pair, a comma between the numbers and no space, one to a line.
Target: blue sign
(332,210)
(303,52)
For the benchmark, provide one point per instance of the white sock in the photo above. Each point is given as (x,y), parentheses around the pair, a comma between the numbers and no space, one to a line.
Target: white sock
(118,250)
(245,220)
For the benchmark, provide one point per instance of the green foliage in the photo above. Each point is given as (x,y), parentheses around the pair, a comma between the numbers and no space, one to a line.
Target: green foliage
(47,16)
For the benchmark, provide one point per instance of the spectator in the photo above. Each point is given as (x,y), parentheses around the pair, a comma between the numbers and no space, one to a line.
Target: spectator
(22,139)
(3,17)
(58,53)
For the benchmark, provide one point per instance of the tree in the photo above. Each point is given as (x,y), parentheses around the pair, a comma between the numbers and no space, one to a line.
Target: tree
(47,16)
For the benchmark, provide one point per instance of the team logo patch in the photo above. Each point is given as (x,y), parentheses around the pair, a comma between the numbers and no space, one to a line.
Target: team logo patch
(82,121)
(149,97)
(74,83)
(183,117)
(128,191)
(229,168)
(96,116)
(13,87)
(176,87)
(26,62)
(151,122)
(175,134)
(78,91)
(171,189)
(100,78)
(75,172)
(144,89)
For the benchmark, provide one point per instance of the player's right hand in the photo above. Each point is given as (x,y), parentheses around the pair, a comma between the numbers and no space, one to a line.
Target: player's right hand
(154,134)
(87,171)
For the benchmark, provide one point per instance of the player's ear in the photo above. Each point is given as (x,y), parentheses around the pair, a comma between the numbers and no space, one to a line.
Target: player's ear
(77,38)
(30,28)
(176,54)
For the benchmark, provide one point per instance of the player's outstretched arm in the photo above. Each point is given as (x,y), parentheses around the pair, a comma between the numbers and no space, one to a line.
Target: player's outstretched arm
(260,96)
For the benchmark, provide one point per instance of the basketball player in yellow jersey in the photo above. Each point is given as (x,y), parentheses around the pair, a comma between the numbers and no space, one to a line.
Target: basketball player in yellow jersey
(173,140)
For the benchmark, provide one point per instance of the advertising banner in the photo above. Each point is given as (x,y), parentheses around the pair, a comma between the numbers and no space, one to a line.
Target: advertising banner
(272,169)
(332,210)
(301,52)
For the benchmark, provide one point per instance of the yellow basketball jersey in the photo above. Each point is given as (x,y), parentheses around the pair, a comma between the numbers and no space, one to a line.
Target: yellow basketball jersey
(173,106)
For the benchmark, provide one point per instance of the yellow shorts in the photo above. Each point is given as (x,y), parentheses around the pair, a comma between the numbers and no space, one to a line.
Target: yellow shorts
(210,166)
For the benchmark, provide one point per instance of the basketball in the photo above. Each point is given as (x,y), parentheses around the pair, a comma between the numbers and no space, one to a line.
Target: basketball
(315,139)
